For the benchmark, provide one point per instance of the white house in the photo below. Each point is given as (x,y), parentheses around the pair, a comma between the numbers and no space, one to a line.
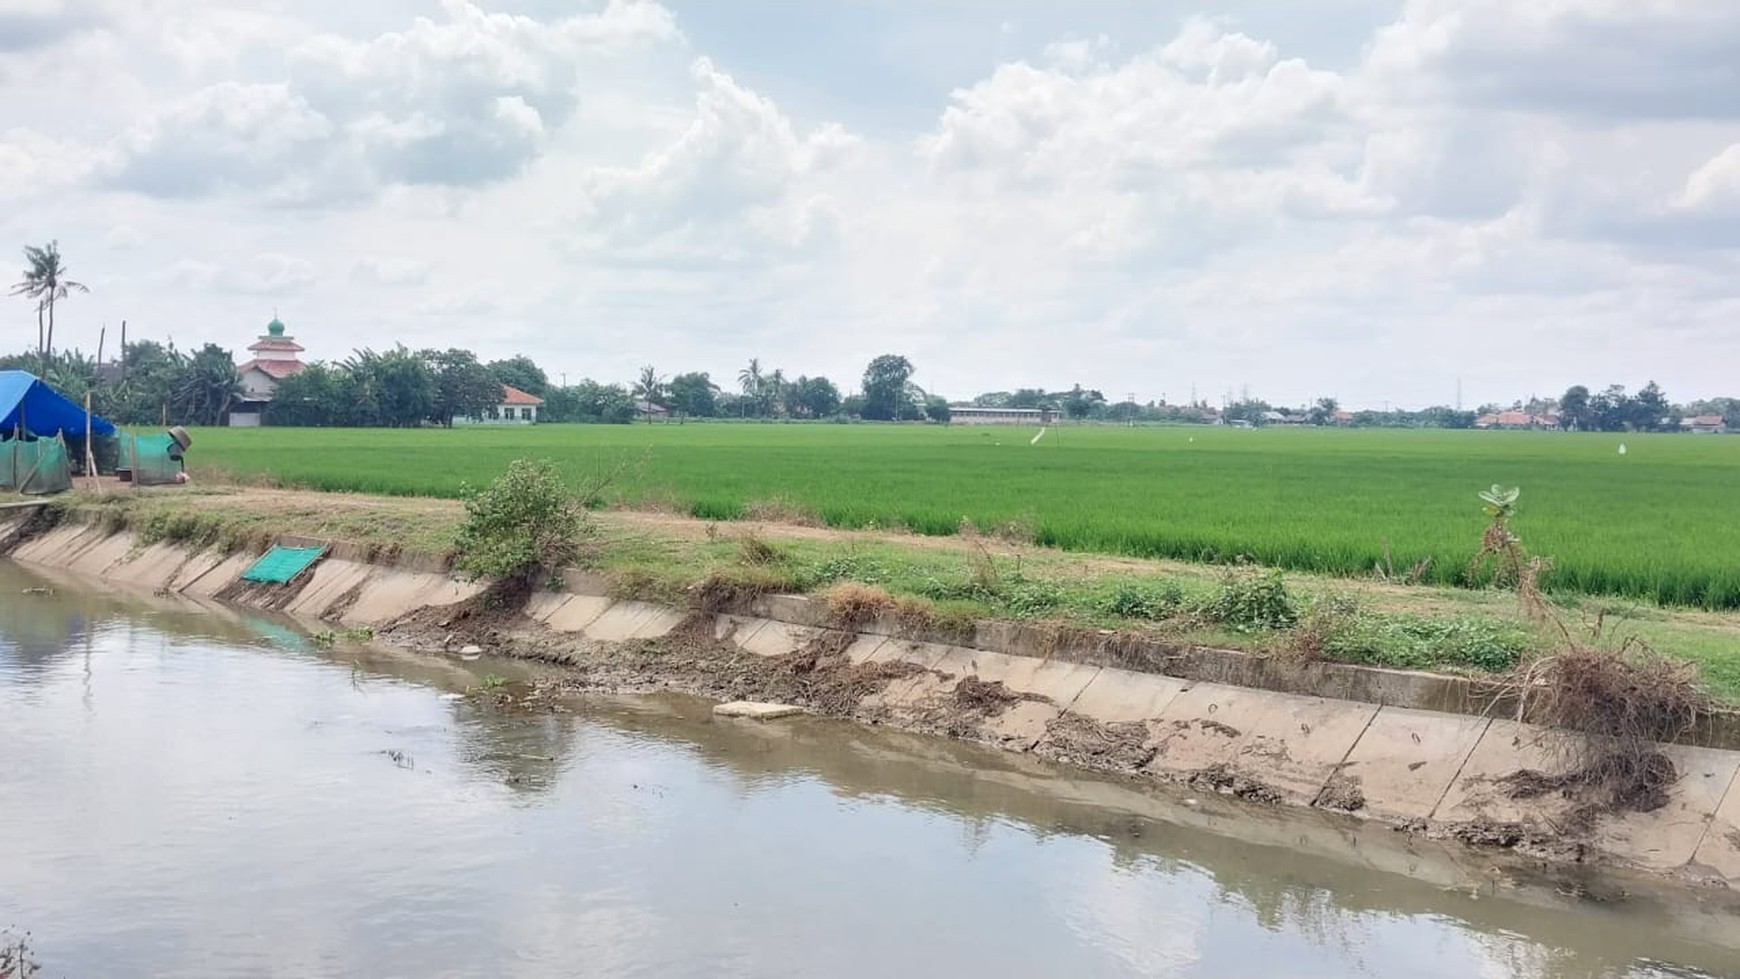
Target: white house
(274,359)
(516,408)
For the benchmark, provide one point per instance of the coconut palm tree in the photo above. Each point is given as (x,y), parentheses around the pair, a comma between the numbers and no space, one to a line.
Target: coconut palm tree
(750,378)
(774,395)
(45,281)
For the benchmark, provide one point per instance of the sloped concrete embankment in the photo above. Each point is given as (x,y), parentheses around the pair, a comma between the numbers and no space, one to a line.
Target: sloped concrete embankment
(1443,773)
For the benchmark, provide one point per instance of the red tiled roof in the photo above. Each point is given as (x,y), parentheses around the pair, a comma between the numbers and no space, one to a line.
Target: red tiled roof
(514,396)
(275,369)
(276,343)
(1707,421)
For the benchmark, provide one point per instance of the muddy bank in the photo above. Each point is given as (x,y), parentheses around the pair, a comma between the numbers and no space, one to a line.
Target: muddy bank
(1450,775)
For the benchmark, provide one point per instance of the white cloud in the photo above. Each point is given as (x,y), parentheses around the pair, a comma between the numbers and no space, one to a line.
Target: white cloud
(729,180)
(462,102)
(374,270)
(1212,206)
(268,274)
(1715,184)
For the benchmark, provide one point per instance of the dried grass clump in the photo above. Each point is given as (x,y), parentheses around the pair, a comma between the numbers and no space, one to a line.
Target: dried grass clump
(781,510)
(753,549)
(1618,704)
(732,589)
(853,603)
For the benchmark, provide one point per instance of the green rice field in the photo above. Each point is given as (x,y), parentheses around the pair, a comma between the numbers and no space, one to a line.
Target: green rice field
(1660,522)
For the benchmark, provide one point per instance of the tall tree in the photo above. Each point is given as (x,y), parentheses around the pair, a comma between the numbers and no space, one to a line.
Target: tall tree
(650,387)
(813,397)
(1323,412)
(209,385)
(46,283)
(885,381)
(519,371)
(463,387)
(750,379)
(1574,410)
(774,392)
(1649,408)
(1079,404)
(694,395)
(1611,409)
(397,384)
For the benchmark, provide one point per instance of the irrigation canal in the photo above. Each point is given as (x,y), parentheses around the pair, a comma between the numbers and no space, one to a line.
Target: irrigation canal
(207,792)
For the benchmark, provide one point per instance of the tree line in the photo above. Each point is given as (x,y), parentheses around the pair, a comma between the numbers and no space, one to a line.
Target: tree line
(155,383)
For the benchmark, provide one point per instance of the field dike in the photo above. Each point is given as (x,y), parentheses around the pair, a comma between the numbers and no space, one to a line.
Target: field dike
(1426,754)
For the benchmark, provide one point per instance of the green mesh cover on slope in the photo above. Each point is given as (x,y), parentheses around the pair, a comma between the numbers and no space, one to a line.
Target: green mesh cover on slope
(36,468)
(148,457)
(278,565)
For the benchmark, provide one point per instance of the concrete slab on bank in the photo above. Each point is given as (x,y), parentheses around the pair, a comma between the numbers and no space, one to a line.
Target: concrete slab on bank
(1299,742)
(1404,762)
(1204,726)
(1116,696)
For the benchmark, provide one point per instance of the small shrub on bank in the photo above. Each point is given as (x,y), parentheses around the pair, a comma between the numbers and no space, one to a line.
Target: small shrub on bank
(1152,602)
(523,524)
(1249,600)
(1414,642)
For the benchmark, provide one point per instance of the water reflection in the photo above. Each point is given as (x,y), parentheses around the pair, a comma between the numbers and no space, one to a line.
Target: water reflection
(198,791)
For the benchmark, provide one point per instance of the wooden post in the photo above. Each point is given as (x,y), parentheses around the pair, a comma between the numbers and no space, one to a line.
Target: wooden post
(91,453)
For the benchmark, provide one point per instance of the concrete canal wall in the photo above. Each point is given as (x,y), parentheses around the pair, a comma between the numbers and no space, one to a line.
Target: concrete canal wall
(1376,753)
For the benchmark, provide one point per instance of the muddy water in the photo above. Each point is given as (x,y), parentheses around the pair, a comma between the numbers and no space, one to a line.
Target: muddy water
(194,792)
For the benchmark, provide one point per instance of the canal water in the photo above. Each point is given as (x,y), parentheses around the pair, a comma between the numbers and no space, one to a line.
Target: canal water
(193,791)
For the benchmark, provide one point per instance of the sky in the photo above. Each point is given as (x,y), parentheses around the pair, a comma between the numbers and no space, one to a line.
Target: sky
(1380,202)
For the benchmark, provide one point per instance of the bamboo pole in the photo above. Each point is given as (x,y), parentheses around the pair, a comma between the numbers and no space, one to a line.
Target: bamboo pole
(90,454)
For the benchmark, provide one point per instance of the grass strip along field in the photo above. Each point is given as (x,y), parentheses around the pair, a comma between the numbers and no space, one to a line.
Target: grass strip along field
(1656,523)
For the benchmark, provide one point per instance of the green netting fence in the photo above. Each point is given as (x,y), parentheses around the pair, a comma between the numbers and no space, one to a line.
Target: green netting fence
(35,467)
(148,458)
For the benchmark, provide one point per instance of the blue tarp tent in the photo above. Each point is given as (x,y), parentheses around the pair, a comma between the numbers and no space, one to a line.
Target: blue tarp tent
(28,403)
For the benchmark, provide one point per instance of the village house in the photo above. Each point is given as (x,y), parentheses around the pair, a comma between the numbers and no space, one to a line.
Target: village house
(1516,419)
(1704,425)
(275,358)
(516,408)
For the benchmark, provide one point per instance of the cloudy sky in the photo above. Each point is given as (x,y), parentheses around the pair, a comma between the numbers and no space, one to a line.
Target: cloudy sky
(1368,199)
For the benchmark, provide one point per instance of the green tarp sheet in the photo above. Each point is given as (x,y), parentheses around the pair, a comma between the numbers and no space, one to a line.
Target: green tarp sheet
(37,468)
(280,564)
(147,456)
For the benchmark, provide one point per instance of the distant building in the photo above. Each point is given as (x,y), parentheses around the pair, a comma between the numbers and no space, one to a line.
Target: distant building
(1516,419)
(1704,425)
(969,415)
(516,408)
(651,411)
(274,360)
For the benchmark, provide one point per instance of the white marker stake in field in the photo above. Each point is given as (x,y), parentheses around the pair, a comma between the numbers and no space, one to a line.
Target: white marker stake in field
(1036,438)
(1622,448)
